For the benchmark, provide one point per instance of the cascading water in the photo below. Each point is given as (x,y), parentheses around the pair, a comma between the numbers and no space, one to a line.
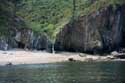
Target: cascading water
(53,50)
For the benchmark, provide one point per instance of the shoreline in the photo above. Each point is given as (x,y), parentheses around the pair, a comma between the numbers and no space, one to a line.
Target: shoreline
(18,57)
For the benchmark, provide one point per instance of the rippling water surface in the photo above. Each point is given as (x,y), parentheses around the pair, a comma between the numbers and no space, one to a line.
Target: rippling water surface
(67,72)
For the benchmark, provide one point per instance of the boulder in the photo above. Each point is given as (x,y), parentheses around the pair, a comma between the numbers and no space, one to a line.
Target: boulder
(101,31)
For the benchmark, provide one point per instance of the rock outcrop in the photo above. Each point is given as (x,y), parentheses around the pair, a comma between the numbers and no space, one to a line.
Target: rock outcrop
(27,39)
(24,38)
(101,31)
(14,32)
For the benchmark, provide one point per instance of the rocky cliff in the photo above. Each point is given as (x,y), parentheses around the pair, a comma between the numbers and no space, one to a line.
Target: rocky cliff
(101,31)
(23,37)
(14,32)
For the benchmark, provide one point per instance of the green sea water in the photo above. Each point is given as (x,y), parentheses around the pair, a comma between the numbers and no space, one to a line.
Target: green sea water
(66,72)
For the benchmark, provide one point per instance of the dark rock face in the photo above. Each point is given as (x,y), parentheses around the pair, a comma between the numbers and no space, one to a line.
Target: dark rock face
(14,33)
(102,31)
(25,39)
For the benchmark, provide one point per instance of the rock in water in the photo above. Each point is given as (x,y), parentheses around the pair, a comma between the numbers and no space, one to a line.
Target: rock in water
(102,31)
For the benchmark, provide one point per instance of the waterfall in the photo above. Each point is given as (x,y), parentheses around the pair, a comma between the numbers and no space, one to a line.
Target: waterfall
(53,51)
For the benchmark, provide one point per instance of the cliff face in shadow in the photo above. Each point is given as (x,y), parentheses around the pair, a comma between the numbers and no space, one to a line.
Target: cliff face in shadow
(101,31)
(14,32)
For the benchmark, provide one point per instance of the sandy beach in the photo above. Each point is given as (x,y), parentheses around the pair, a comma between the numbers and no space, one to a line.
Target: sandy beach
(36,57)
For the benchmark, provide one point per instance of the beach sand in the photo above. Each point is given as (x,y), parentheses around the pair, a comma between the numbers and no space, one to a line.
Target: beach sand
(37,57)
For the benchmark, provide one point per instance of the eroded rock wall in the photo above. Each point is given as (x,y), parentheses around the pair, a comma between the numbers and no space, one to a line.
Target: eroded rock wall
(101,31)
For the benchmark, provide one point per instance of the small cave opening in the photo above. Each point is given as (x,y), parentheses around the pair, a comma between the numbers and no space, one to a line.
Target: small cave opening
(21,45)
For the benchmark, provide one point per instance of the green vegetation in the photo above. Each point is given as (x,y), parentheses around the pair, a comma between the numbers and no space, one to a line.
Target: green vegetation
(7,17)
(48,16)
(6,9)
(45,15)
(99,4)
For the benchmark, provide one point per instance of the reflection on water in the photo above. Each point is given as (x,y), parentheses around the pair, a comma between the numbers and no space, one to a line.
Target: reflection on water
(67,72)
